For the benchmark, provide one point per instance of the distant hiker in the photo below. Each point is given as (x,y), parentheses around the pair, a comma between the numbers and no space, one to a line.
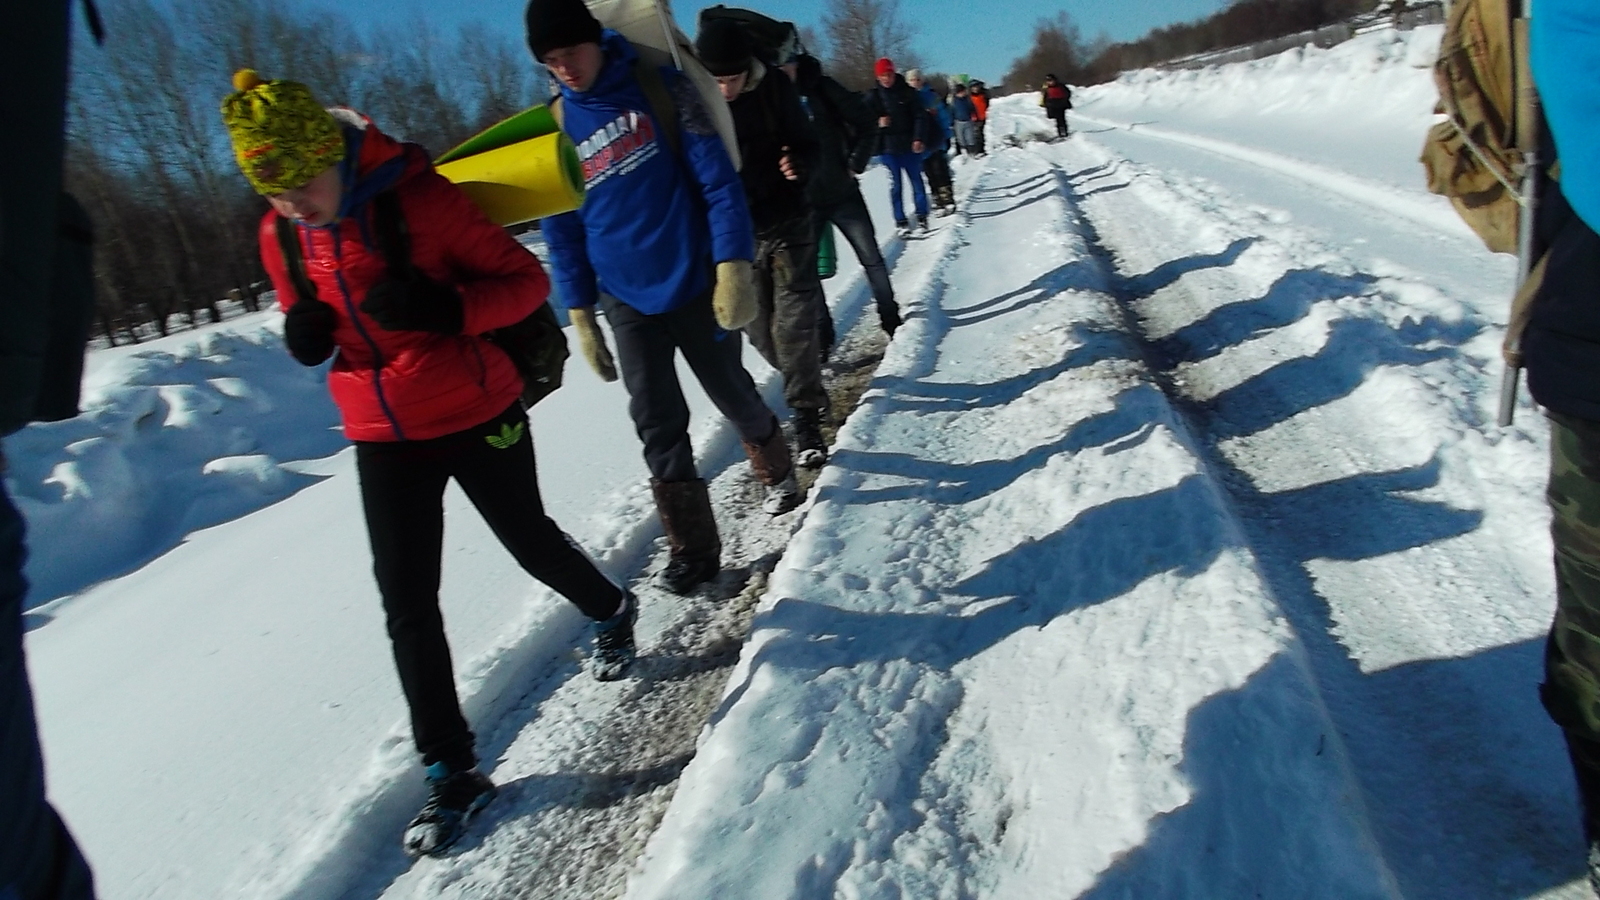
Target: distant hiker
(663,243)
(847,132)
(1056,98)
(1561,351)
(964,114)
(46,300)
(902,136)
(422,394)
(780,150)
(980,109)
(935,161)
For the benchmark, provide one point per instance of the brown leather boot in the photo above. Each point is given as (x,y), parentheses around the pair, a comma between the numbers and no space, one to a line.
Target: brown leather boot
(772,465)
(696,550)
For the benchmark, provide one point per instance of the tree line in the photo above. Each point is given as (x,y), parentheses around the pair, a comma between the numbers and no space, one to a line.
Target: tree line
(175,223)
(1059,47)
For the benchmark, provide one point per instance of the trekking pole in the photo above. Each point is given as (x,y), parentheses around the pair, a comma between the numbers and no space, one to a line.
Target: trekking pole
(1526,106)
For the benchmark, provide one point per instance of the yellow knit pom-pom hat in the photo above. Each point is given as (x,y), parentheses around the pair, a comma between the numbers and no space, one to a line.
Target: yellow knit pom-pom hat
(282,138)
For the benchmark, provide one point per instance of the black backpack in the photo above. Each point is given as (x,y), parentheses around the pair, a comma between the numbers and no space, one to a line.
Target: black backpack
(774,41)
(537,345)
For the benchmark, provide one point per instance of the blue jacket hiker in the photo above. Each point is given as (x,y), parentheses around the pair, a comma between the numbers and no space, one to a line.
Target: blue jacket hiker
(663,244)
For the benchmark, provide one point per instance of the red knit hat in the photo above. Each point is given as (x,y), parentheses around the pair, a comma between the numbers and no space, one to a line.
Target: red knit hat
(884,66)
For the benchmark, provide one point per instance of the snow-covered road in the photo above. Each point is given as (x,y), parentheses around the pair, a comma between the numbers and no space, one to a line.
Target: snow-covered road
(1171,552)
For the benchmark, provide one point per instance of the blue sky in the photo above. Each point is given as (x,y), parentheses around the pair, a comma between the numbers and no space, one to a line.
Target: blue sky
(979,37)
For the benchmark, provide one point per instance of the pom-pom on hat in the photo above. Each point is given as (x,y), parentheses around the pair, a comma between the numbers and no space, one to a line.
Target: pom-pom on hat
(282,138)
(884,66)
(553,24)
(724,48)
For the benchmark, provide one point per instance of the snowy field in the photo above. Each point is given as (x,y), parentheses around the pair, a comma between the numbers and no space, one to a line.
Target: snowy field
(1172,552)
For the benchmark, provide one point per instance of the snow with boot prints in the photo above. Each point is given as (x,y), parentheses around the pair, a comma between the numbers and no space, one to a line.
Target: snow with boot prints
(1171,552)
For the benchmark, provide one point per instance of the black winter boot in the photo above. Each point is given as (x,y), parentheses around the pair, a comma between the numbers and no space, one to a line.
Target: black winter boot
(685,510)
(889,316)
(810,449)
(613,642)
(453,799)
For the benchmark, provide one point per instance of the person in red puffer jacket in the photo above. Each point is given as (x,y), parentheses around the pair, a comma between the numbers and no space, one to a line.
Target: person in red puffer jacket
(422,393)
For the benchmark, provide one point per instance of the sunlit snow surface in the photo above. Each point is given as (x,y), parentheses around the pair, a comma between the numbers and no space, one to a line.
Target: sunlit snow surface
(1172,552)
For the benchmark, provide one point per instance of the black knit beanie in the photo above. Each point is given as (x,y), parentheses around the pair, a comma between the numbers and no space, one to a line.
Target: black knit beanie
(723,47)
(560,23)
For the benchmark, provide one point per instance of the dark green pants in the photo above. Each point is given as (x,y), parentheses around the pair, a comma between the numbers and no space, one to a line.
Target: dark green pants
(1571,691)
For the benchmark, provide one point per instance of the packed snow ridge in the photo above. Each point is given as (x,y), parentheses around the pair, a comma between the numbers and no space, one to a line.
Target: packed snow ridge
(1171,551)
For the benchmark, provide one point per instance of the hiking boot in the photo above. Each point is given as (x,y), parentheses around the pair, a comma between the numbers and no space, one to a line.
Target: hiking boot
(902,227)
(782,497)
(453,799)
(922,223)
(810,449)
(613,642)
(696,549)
(889,316)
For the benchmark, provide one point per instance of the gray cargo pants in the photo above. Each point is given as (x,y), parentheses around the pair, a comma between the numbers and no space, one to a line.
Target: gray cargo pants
(790,296)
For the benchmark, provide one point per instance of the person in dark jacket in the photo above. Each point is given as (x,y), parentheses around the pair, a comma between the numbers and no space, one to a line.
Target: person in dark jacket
(780,153)
(663,243)
(935,161)
(902,136)
(1056,98)
(1561,351)
(846,130)
(46,300)
(963,115)
(424,396)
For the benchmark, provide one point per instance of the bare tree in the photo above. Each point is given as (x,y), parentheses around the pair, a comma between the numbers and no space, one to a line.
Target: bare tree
(1057,50)
(862,31)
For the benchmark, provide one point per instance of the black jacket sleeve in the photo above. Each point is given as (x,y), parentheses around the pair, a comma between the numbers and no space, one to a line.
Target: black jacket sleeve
(794,127)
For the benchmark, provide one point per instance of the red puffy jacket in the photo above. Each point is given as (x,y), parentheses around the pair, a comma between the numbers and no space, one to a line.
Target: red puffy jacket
(414,385)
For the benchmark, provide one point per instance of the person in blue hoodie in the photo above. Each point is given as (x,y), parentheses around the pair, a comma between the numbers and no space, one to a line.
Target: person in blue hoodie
(1561,351)
(663,245)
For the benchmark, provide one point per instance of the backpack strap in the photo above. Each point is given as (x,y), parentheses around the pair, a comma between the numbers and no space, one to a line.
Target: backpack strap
(647,65)
(293,260)
(647,71)
(389,227)
(393,234)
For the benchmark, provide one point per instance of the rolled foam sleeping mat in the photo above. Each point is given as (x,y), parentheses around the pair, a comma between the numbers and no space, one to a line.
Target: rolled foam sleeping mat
(520,182)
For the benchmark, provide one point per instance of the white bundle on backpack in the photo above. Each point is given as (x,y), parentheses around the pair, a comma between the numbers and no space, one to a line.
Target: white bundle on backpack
(649,23)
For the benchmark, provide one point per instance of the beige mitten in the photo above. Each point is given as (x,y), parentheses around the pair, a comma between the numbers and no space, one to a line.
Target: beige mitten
(592,342)
(734,297)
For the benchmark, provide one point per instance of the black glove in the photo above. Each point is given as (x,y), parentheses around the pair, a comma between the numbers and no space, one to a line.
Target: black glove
(889,316)
(414,305)
(308,331)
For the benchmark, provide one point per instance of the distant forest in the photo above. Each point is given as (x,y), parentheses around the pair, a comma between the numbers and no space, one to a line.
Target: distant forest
(1060,48)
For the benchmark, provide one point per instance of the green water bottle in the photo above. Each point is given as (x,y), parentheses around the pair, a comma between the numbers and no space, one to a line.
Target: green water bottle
(827,257)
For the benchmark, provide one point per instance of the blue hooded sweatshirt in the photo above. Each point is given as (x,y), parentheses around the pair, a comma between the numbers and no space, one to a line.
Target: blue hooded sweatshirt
(1566,55)
(651,225)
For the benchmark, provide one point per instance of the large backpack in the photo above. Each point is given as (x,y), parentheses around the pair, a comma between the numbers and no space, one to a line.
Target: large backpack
(649,24)
(775,42)
(536,345)
(1485,155)
(1476,155)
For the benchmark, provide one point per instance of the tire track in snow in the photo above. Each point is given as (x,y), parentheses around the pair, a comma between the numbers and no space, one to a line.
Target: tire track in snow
(1371,529)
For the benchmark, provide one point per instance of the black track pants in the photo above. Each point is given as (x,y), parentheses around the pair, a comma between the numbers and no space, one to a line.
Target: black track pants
(402,493)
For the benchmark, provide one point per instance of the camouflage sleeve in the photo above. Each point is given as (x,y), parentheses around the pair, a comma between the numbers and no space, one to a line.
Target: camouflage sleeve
(692,112)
